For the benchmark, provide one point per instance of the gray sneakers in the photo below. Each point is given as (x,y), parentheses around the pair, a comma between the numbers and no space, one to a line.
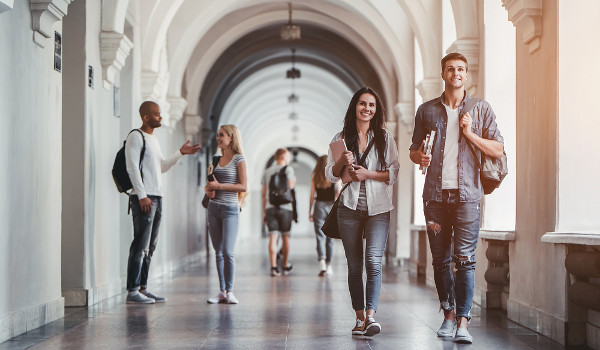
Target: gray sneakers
(447,329)
(138,298)
(150,295)
(462,336)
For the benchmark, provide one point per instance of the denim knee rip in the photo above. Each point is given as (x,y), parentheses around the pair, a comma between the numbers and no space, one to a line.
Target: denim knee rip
(463,260)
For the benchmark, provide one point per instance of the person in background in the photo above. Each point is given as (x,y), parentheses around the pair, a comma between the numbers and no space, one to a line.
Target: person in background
(278,217)
(322,194)
(229,188)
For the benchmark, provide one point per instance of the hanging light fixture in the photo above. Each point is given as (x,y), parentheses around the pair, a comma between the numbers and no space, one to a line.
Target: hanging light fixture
(293,73)
(290,31)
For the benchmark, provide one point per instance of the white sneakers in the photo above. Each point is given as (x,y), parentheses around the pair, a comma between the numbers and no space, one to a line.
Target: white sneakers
(223,298)
(323,267)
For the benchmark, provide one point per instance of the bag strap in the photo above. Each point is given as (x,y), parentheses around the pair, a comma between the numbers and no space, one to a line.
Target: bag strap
(142,152)
(468,108)
(215,161)
(360,162)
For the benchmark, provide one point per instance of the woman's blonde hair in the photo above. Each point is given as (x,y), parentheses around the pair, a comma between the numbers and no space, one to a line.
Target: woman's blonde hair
(237,148)
(236,138)
(318,174)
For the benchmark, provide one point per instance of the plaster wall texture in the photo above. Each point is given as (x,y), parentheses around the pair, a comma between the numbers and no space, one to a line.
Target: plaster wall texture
(578,75)
(499,77)
(537,299)
(30,149)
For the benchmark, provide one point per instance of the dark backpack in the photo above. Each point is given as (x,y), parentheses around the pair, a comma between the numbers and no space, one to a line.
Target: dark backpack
(119,170)
(279,188)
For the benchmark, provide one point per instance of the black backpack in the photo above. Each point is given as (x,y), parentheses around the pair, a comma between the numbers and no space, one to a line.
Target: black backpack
(279,188)
(119,170)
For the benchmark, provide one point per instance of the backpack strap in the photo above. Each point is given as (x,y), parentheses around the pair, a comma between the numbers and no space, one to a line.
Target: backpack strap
(468,108)
(140,165)
(142,152)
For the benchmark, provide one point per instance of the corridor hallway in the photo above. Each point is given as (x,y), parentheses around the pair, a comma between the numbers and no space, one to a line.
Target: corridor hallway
(298,311)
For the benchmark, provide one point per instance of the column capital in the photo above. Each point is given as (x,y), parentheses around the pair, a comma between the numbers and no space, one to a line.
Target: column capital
(151,85)
(44,13)
(192,125)
(405,113)
(469,47)
(526,16)
(178,105)
(430,88)
(114,49)
(6,5)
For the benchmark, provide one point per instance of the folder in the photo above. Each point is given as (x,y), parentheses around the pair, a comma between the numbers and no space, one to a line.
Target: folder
(337,149)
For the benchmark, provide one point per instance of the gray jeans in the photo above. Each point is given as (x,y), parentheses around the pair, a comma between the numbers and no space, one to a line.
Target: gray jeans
(324,243)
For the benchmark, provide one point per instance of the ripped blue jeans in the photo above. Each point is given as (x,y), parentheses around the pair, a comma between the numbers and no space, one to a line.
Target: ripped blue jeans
(453,229)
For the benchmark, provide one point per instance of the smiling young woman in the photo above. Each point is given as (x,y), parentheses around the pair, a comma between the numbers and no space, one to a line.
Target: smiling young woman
(365,205)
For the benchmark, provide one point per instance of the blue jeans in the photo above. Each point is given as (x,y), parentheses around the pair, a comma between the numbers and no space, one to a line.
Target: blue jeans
(324,243)
(443,219)
(352,224)
(145,238)
(223,230)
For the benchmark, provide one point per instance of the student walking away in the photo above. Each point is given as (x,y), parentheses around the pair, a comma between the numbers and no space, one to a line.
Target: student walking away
(322,195)
(229,186)
(452,190)
(277,183)
(145,199)
(364,207)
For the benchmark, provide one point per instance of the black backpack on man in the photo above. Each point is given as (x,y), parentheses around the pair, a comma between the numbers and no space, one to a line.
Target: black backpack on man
(279,188)
(119,170)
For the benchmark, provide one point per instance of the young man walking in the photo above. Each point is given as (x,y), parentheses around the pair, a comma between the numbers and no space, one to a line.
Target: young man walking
(145,199)
(278,216)
(452,190)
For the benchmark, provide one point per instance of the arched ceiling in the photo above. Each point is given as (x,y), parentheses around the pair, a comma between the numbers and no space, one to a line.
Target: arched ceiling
(259,107)
(263,48)
(225,59)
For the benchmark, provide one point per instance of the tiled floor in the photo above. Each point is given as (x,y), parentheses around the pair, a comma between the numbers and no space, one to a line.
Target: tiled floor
(299,311)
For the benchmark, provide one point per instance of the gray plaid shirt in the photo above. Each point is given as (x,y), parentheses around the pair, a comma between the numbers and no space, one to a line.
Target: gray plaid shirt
(431,115)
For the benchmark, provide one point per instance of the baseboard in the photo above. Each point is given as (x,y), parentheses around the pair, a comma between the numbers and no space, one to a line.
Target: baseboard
(24,320)
(537,320)
(85,297)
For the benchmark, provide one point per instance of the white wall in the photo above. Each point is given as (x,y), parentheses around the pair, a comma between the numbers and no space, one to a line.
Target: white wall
(578,148)
(30,183)
(500,80)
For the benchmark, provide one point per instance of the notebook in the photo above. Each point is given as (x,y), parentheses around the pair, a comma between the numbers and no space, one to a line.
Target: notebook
(337,148)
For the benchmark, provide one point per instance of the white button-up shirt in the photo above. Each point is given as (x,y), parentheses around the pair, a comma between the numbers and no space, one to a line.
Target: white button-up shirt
(379,194)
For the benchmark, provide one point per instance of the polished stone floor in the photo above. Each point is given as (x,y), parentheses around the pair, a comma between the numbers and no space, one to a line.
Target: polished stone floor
(298,311)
